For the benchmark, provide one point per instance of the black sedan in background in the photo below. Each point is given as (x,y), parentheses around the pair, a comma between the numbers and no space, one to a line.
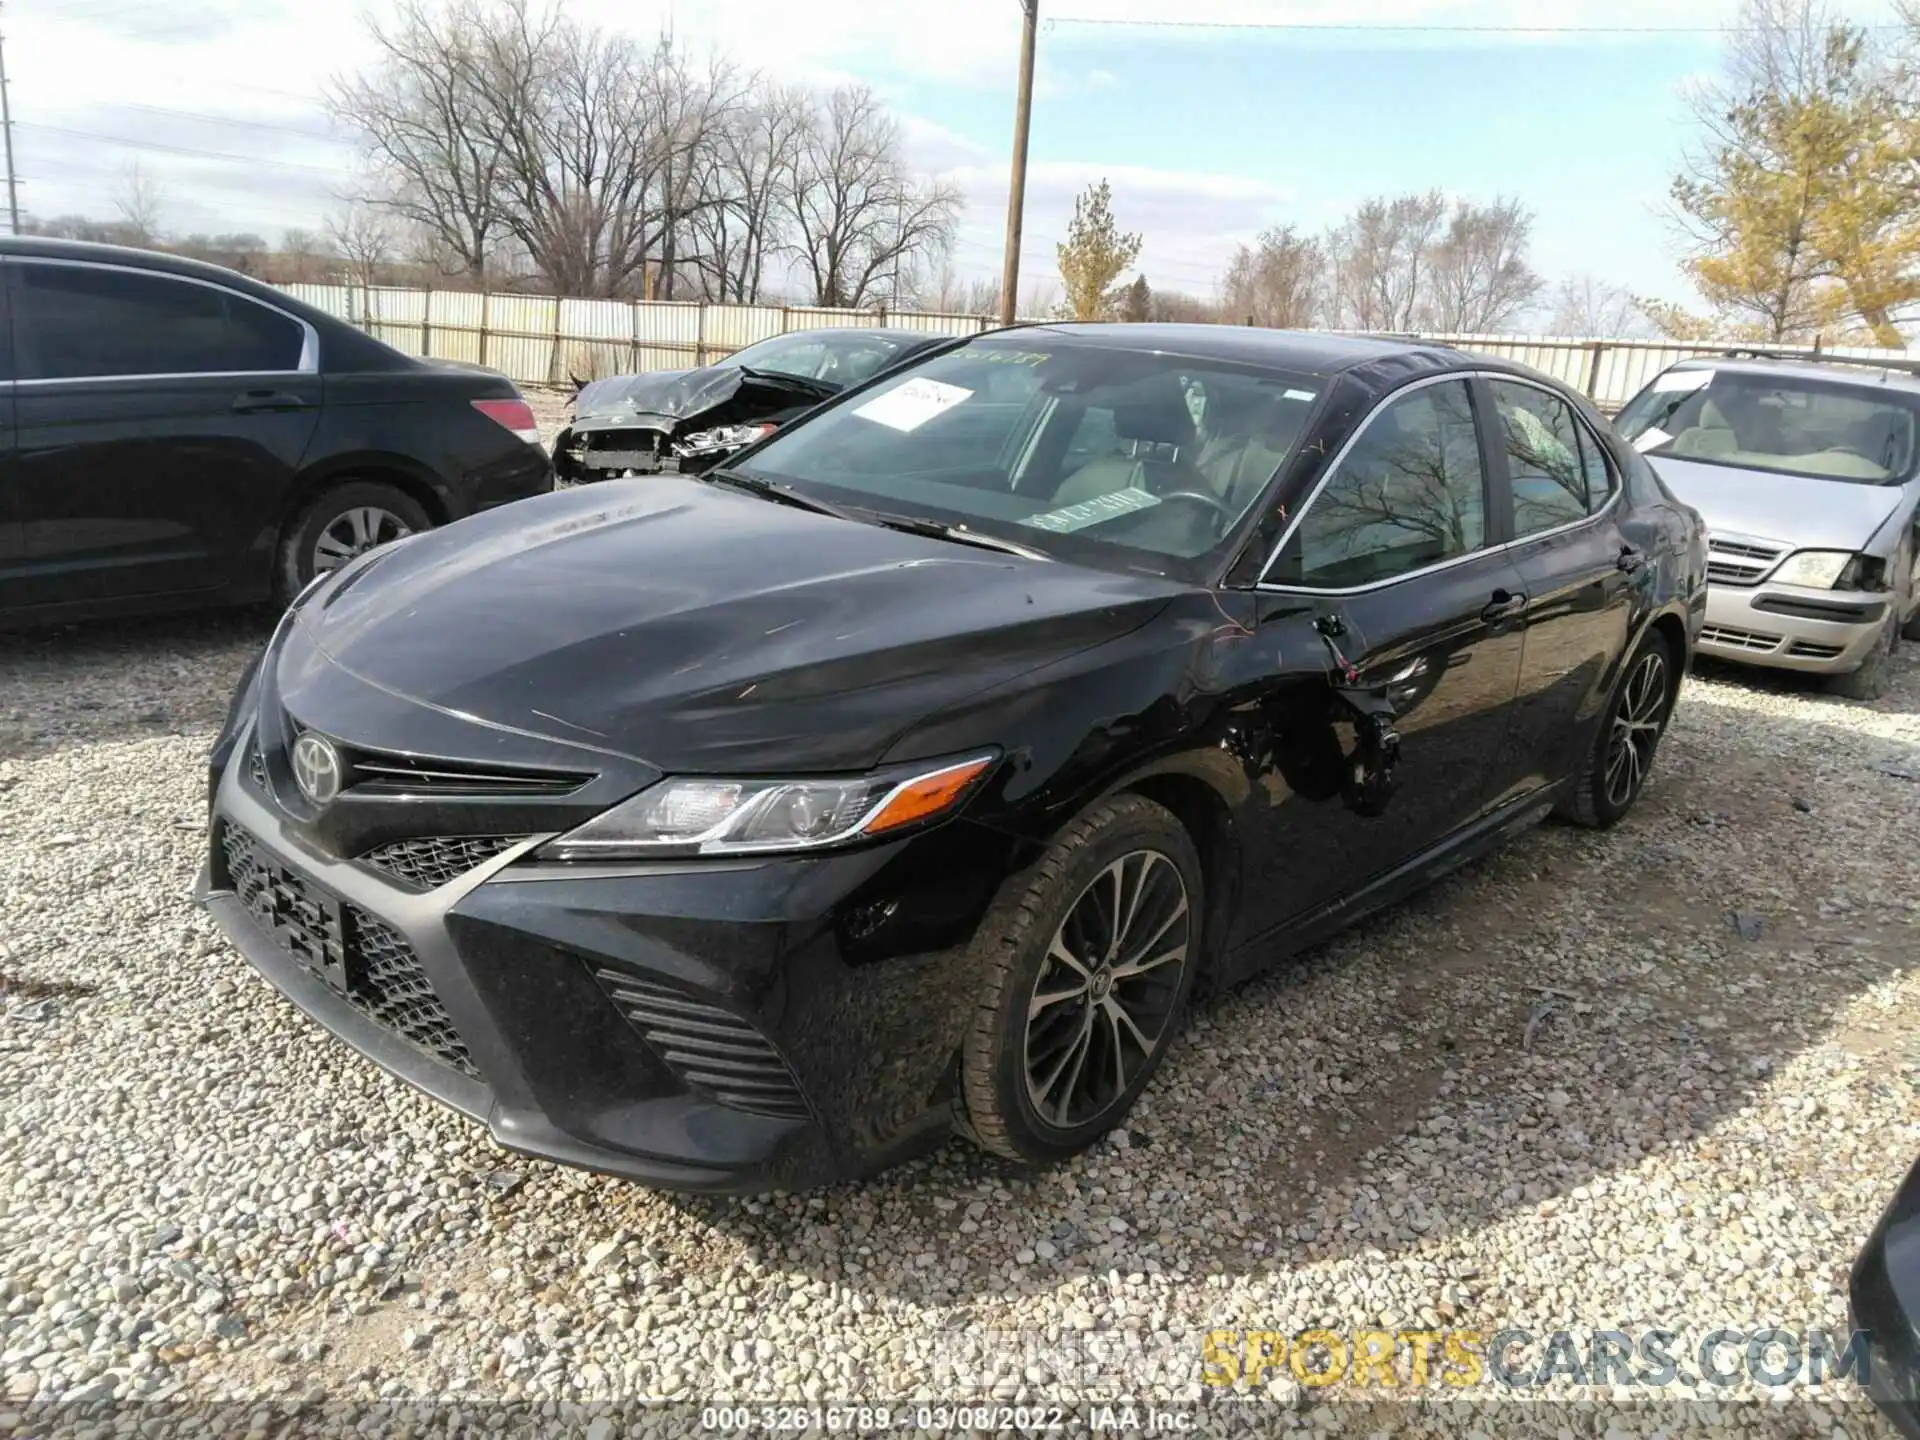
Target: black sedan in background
(179,435)
(908,775)
(691,420)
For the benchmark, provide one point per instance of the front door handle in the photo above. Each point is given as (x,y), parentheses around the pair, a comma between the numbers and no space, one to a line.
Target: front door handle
(1631,558)
(253,400)
(1505,609)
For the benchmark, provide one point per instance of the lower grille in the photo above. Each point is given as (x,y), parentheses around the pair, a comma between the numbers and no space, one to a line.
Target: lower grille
(1739,639)
(364,960)
(1808,650)
(432,861)
(393,991)
(711,1050)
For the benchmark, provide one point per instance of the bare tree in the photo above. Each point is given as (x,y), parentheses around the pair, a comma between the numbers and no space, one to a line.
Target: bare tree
(421,115)
(1594,309)
(136,199)
(304,255)
(748,166)
(1382,257)
(364,237)
(1479,276)
(860,218)
(1279,281)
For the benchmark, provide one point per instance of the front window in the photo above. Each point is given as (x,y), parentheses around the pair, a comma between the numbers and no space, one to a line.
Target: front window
(1086,451)
(76,322)
(1788,423)
(838,360)
(1410,493)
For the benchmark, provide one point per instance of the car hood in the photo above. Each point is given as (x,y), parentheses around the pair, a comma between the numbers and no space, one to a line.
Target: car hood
(1807,514)
(700,629)
(677,394)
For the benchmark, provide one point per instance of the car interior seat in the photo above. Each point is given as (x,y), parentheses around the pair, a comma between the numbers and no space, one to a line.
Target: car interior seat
(1710,435)
(1152,415)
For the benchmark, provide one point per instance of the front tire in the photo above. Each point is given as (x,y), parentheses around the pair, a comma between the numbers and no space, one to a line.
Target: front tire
(1090,958)
(1621,758)
(344,522)
(1869,680)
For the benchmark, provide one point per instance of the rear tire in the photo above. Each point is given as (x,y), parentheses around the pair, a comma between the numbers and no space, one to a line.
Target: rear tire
(1616,767)
(1870,679)
(1077,1012)
(342,523)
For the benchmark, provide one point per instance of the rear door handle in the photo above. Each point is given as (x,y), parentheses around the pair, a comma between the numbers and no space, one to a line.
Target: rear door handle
(269,400)
(1506,608)
(1631,558)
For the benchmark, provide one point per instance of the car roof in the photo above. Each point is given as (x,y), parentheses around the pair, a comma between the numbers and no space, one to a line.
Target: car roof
(1312,351)
(868,332)
(45,248)
(1859,372)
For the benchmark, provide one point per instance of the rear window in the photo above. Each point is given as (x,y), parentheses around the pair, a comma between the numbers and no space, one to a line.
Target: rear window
(1792,424)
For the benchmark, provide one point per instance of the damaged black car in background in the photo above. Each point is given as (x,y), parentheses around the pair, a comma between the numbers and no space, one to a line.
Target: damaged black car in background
(687,421)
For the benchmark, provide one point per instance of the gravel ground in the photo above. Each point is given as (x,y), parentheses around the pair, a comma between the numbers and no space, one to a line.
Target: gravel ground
(1562,1090)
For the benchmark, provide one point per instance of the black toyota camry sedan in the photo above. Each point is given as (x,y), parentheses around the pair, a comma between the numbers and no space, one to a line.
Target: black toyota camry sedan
(907,775)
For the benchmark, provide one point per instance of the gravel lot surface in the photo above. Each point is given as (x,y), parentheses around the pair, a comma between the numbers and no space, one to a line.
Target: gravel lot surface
(1564,1089)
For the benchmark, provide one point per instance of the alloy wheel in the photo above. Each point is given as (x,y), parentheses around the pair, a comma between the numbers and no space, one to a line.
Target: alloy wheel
(1637,722)
(354,532)
(1107,989)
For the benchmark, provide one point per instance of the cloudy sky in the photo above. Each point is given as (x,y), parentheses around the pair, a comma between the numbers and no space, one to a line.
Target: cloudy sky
(1212,118)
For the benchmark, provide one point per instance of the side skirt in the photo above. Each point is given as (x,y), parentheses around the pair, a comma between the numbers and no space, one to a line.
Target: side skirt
(1292,936)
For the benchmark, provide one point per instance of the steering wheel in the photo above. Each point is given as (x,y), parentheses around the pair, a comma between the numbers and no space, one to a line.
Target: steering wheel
(1852,450)
(1223,517)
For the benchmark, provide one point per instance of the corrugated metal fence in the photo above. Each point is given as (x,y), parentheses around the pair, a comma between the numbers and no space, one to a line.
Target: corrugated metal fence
(545,340)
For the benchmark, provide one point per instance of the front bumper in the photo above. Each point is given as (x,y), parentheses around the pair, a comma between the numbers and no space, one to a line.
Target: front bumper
(1790,627)
(619,1020)
(1882,1292)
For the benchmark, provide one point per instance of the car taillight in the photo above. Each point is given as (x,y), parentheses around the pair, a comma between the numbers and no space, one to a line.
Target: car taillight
(516,415)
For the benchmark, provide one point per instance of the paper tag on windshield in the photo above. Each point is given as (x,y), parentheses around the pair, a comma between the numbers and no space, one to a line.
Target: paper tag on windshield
(1651,439)
(1092,512)
(1676,382)
(907,407)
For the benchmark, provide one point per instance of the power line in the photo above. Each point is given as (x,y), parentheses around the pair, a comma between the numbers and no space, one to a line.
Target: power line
(1361,27)
(163,148)
(236,122)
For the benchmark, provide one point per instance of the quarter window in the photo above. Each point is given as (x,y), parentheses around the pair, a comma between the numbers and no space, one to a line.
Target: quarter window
(1559,475)
(1409,494)
(78,321)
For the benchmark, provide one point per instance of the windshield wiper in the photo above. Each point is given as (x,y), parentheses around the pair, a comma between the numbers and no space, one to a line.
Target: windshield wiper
(779,494)
(798,382)
(959,534)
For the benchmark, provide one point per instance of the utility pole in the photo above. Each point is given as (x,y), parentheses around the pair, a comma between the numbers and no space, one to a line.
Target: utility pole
(6,124)
(1017,196)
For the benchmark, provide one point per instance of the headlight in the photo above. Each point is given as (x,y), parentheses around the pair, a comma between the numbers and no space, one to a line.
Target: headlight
(740,817)
(1831,570)
(727,437)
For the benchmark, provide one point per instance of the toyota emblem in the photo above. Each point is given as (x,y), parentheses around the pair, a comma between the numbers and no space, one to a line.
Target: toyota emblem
(316,768)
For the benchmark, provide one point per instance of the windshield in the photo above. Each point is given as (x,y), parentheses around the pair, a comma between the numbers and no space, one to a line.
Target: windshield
(1085,451)
(837,360)
(1787,423)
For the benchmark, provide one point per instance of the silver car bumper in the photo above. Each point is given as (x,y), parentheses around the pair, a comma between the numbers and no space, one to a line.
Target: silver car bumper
(1792,627)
